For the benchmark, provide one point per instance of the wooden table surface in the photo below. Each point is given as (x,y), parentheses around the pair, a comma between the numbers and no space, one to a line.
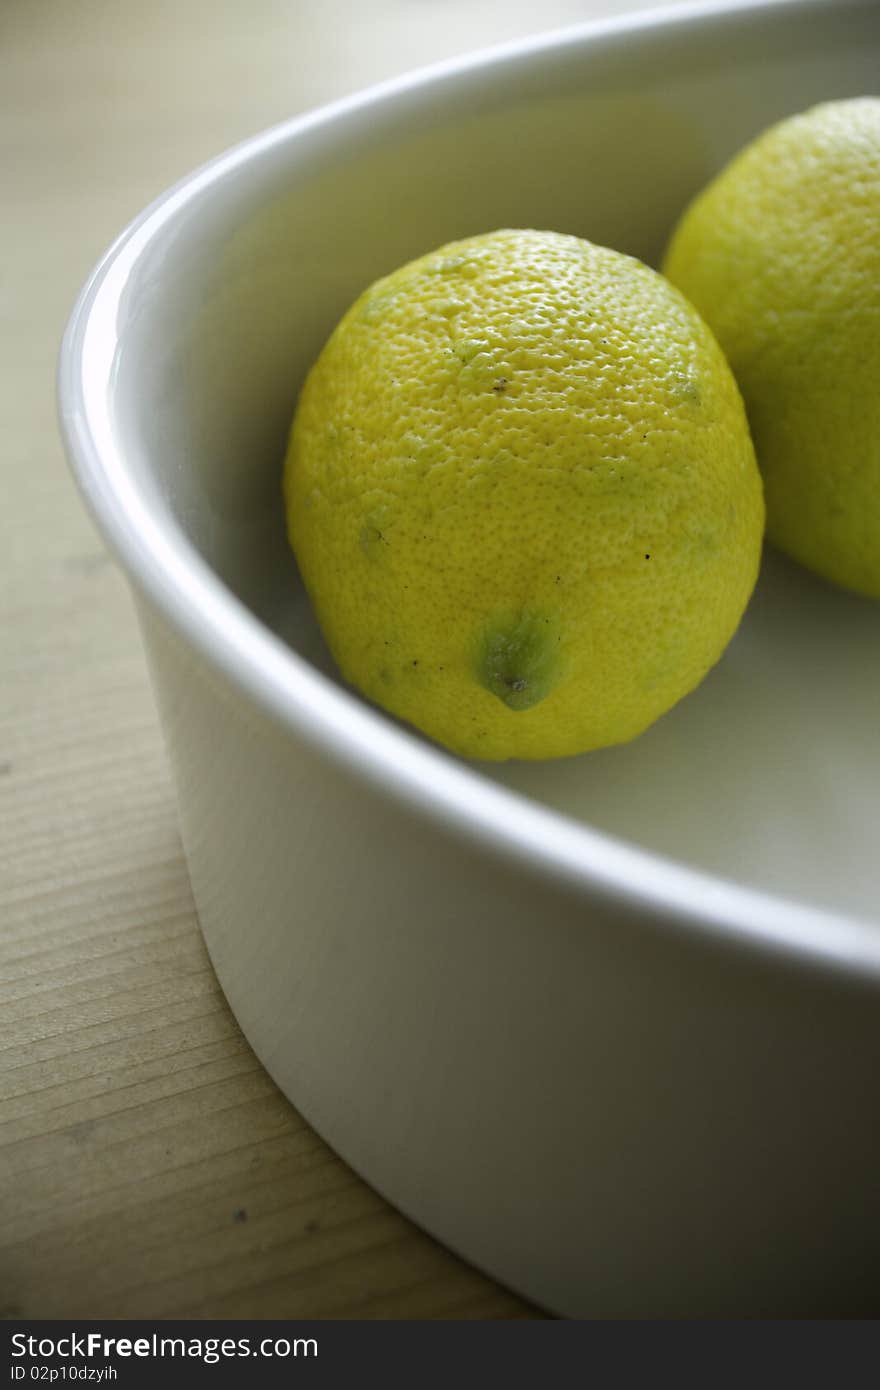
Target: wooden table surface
(148,1165)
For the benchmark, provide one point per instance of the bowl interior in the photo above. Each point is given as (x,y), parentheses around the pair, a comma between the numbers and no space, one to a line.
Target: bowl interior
(768,773)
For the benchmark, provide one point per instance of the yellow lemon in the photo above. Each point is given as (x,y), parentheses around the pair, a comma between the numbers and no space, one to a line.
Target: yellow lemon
(781,256)
(523,497)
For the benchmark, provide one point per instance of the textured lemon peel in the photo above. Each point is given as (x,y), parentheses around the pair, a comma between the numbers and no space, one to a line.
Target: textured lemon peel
(580,468)
(781,255)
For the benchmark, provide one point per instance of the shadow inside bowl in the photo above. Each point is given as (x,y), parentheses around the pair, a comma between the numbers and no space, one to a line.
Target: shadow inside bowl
(766,774)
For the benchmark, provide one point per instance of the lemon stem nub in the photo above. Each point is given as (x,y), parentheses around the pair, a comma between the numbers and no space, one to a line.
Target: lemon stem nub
(518,658)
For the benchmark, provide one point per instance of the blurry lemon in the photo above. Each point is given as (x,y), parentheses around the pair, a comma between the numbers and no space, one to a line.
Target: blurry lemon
(781,255)
(523,497)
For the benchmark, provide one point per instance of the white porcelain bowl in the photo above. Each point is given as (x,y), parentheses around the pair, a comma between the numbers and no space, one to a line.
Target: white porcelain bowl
(608,1027)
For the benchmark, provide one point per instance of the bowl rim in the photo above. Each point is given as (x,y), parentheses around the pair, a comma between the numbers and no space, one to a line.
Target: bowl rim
(209,618)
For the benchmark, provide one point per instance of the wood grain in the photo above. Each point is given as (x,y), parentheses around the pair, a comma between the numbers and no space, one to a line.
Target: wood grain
(148,1166)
